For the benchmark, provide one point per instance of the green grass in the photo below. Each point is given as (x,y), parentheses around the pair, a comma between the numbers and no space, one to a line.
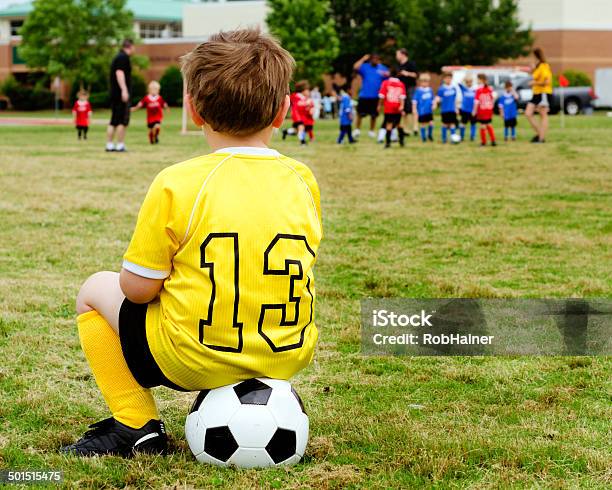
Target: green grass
(519,220)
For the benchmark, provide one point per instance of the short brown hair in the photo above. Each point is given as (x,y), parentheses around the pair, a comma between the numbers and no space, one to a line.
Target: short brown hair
(238,80)
(483,77)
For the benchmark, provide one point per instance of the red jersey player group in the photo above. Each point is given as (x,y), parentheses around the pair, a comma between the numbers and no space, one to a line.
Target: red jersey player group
(155,105)
(302,113)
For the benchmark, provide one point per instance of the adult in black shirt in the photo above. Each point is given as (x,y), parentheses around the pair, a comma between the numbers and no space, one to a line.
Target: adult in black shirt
(407,71)
(120,89)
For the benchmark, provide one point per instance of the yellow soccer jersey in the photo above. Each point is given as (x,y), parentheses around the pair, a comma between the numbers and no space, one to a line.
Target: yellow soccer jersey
(540,75)
(235,236)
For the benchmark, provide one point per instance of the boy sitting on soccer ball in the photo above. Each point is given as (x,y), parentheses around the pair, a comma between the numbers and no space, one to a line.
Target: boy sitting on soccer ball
(217,283)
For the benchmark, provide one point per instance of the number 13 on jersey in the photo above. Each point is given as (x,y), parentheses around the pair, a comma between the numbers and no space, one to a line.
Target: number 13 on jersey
(273,303)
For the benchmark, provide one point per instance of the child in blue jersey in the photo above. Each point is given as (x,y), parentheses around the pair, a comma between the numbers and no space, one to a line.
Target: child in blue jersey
(467,108)
(346,116)
(447,98)
(423,104)
(508,109)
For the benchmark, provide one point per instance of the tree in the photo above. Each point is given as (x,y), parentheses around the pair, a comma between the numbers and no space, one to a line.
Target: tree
(455,32)
(307,31)
(364,26)
(172,86)
(435,32)
(74,39)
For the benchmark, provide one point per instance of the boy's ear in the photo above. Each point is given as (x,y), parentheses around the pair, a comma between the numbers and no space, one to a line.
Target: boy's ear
(282,113)
(195,117)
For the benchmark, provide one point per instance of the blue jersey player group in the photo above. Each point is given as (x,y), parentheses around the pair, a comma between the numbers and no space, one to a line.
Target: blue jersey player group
(461,105)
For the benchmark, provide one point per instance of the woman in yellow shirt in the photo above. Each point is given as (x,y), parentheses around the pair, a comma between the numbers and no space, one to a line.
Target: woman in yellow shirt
(542,91)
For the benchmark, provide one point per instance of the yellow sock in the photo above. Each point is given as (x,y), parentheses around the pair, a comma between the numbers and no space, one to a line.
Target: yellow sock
(130,403)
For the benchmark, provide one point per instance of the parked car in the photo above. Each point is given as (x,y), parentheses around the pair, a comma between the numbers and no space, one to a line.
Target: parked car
(575,99)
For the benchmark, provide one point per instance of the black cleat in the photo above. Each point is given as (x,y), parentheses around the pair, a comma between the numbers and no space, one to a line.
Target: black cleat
(114,438)
(493,143)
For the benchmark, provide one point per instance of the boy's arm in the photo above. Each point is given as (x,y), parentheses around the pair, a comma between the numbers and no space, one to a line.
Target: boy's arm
(136,107)
(148,259)
(139,289)
(475,110)
(501,110)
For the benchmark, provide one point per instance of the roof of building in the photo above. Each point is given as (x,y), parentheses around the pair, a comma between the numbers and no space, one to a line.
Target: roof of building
(156,10)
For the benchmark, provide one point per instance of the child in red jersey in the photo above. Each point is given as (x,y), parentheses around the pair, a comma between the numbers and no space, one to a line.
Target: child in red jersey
(304,107)
(307,108)
(392,95)
(484,102)
(155,105)
(296,119)
(82,112)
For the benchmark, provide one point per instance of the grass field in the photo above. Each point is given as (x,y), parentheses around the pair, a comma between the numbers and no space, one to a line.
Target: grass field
(518,220)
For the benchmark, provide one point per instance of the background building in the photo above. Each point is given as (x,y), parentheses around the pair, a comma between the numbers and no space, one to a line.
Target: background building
(574,34)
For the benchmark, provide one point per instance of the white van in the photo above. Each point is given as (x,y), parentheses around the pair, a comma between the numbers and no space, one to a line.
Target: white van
(497,75)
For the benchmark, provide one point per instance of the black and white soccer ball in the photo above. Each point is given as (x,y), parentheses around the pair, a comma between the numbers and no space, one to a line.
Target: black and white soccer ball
(252,424)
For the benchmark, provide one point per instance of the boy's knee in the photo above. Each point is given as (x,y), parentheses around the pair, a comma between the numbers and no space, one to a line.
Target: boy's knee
(91,288)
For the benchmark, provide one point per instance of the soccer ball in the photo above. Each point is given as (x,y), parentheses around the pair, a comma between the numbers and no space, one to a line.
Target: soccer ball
(455,138)
(252,424)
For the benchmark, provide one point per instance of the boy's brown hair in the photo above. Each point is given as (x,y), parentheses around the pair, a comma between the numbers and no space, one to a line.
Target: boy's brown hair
(238,80)
(483,78)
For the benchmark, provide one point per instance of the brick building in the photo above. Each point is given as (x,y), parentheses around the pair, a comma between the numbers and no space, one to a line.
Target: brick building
(574,34)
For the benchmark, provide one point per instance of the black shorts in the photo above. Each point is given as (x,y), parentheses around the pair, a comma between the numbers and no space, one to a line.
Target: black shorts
(135,347)
(540,100)
(81,127)
(297,124)
(394,119)
(449,118)
(308,127)
(510,123)
(425,118)
(120,113)
(153,124)
(408,101)
(485,121)
(367,107)
(467,117)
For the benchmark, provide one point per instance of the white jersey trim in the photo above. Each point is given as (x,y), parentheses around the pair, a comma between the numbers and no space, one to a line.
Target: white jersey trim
(249,150)
(141,271)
